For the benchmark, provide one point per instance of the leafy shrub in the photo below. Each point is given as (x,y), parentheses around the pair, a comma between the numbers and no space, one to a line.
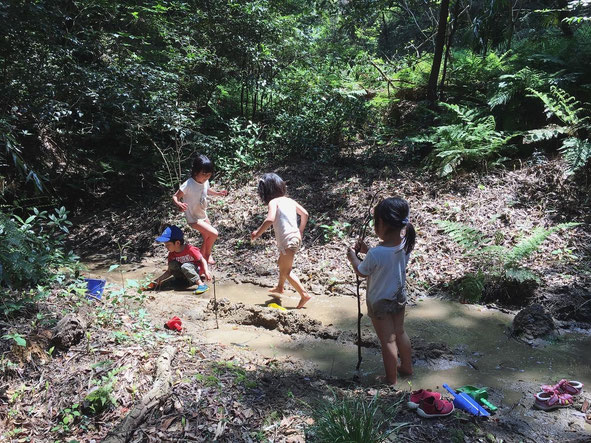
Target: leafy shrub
(353,419)
(469,142)
(470,69)
(244,150)
(31,250)
(316,113)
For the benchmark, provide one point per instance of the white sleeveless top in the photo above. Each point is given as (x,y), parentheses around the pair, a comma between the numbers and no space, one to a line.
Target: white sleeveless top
(286,222)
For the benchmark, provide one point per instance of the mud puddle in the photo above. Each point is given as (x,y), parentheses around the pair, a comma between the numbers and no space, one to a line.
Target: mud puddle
(452,343)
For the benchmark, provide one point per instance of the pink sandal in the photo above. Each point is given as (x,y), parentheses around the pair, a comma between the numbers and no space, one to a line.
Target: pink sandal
(565,386)
(548,401)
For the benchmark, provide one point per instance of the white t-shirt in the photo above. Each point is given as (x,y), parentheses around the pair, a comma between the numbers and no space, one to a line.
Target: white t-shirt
(195,196)
(385,267)
(286,222)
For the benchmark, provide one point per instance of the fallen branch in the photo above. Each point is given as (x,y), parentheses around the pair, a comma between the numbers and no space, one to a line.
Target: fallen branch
(124,430)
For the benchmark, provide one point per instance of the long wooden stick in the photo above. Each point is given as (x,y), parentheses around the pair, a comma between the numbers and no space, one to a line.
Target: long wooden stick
(215,305)
(362,230)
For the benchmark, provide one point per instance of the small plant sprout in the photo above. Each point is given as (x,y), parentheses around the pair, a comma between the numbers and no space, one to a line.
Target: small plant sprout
(18,339)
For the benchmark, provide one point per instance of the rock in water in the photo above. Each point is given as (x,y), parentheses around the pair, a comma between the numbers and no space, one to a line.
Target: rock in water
(533,322)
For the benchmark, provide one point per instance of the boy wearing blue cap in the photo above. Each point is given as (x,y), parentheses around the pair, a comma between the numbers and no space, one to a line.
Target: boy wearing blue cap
(184,261)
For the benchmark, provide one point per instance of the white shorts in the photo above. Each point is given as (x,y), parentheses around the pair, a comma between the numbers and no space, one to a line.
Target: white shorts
(292,243)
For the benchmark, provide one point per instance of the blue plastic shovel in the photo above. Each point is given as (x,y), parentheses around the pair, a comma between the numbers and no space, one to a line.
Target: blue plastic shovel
(466,403)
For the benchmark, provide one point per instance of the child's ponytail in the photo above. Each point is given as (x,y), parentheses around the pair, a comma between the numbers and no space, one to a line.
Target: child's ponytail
(409,237)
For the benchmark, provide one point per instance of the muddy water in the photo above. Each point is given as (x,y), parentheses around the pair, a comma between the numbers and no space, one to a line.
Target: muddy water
(484,355)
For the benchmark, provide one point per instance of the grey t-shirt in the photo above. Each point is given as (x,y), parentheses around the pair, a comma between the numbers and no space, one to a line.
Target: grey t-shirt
(385,268)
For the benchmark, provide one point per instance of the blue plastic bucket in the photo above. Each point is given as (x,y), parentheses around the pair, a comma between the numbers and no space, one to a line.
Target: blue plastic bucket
(95,287)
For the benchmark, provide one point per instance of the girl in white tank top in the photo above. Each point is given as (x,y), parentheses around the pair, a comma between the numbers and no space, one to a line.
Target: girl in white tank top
(282,215)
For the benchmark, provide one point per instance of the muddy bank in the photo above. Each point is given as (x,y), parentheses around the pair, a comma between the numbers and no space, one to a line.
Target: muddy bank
(292,323)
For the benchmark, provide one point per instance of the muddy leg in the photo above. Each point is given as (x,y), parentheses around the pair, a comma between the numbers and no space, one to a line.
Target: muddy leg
(403,344)
(384,327)
(210,235)
(285,262)
(295,282)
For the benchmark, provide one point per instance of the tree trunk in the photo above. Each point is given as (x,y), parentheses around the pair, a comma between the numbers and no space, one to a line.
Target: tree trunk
(438,54)
(452,31)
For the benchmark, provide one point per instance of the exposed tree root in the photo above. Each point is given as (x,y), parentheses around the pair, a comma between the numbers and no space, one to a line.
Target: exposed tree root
(125,429)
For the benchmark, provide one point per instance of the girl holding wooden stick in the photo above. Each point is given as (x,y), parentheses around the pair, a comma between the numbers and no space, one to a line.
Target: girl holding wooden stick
(384,267)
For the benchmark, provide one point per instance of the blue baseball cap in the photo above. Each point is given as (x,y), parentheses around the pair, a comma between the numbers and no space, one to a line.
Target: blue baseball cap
(171,233)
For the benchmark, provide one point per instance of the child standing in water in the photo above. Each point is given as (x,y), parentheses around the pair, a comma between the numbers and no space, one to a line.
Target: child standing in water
(192,199)
(385,269)
(282,215)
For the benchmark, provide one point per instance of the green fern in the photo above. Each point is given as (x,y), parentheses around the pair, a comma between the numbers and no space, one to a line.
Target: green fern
(511,85)
(472,141)
(575,149)
(466,236)
(576,152)
(498,261)
(531,244)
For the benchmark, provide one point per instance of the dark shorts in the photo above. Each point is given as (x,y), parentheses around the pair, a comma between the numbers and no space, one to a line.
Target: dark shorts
(387,306)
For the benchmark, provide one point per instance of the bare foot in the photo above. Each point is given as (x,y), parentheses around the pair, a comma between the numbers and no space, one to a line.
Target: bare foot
(381,379)
(210,261)
(403,372)
(305,299)
(278,292)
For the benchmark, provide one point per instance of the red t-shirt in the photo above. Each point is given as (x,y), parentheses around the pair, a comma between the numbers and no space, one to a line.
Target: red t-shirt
(189,254)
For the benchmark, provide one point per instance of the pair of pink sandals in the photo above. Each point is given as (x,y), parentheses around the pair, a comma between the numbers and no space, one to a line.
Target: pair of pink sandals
(557,396)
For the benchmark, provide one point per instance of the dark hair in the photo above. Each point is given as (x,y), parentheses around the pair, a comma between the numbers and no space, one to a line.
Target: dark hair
(394,212)
(201,164)
(271,186)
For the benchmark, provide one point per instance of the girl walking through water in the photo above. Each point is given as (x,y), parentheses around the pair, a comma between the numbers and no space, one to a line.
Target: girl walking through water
(384,267)
(282,215)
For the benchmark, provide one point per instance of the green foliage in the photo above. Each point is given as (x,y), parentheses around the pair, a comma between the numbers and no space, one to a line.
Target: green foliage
(470,287)
(575,127)
(32,249)
(244,150)
(516,84)
(353,419)
(18,339)
(100,397)
(469,142)
(68,417)
(471,70)
(493,260)
(335,229)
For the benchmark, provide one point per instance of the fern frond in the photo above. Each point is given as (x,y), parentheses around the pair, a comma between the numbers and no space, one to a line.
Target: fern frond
(530,244)
(511,85)
(521,275)
(466,236)
(561,104)
(547,133)
(576,152)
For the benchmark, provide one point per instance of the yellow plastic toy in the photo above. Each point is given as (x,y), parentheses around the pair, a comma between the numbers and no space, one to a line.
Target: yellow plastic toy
(276,306)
